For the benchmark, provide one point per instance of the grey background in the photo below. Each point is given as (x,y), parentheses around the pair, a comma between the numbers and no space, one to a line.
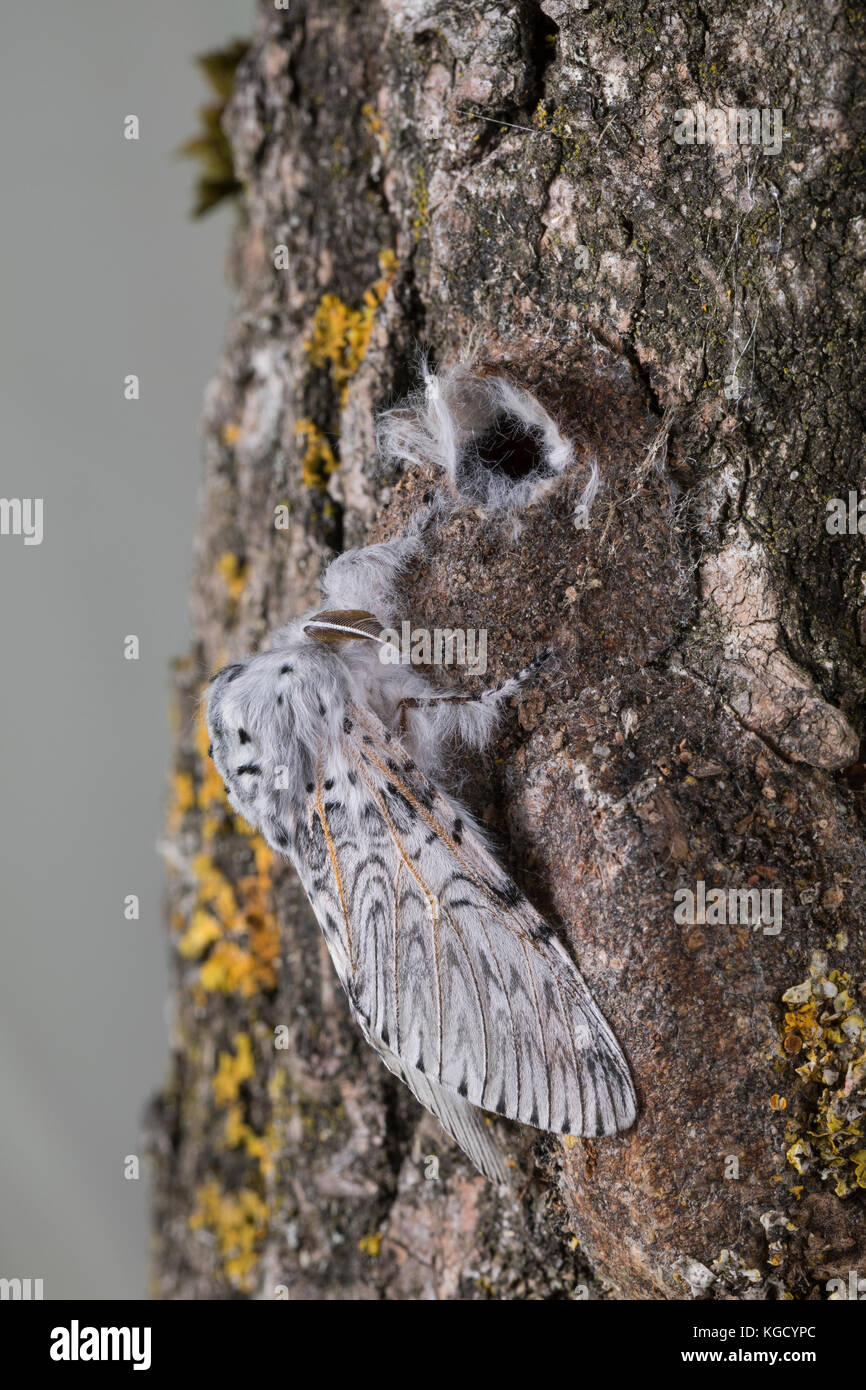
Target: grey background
(102,273)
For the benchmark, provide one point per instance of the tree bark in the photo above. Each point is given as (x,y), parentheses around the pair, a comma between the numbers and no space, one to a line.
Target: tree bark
(508,178)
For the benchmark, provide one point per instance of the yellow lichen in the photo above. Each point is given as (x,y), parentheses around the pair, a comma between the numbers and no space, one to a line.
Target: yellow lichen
(234,572)
(202,931)
(261,1147)
(210,827)
(420,203)
(825,1032)
(184,791)
(234,924)
(561,123)
(214,889)
(369,1245)
(341,335)
(182,799)
(229,969)
(238,1223)
(372,119)
(319,461)
(233,1069)
(246,948)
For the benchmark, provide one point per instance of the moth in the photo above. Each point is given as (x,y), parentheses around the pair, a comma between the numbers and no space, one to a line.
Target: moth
(453,977)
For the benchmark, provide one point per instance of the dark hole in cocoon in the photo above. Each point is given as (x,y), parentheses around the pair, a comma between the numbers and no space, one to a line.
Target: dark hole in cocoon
(504,453)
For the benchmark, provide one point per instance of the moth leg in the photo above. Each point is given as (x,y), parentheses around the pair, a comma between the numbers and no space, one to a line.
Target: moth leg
(471,718)
(513,684)
(416,702)
(495,695)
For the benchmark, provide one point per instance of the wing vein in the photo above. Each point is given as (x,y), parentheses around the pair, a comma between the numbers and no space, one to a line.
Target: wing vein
(507,998)
(540,1031)
(397,953)
(432,904)
(568,1034)
(462,944)
(332,852)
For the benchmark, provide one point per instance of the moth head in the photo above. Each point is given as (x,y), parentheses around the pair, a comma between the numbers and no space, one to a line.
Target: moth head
(334,626)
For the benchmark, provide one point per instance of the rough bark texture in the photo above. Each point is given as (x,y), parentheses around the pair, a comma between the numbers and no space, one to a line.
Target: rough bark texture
(505,177)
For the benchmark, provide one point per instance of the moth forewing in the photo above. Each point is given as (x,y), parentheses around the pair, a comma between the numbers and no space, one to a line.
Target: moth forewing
(458,975)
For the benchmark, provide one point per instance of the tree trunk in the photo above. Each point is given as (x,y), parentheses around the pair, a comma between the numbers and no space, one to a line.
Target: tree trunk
(517,180)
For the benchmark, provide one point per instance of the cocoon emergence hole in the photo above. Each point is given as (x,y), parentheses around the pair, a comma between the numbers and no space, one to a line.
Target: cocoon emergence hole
(495,442)
(506,452)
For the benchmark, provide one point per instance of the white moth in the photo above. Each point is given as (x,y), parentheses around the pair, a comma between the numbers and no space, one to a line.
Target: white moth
(454,978)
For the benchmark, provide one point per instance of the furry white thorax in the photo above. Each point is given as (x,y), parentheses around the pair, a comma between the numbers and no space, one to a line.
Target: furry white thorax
(318,683)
